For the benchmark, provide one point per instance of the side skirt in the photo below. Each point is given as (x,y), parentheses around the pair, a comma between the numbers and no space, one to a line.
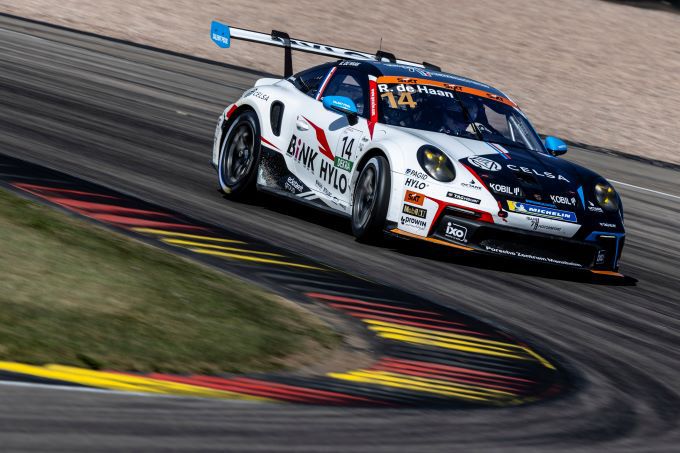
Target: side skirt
(275,178)
(315,203)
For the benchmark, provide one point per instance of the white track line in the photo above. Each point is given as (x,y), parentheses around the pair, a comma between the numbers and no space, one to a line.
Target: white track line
(646,190)
(75,388)
(69,388)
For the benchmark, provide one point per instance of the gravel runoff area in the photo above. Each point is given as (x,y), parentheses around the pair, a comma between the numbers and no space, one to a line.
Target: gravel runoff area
(585,70)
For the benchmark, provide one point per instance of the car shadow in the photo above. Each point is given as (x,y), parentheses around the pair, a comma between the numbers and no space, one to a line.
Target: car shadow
(424,250)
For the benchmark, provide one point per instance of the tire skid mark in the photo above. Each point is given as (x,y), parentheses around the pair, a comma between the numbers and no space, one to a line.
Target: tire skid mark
(430,355)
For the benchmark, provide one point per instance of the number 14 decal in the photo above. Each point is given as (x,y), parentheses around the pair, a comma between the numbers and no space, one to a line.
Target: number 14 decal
(347,143)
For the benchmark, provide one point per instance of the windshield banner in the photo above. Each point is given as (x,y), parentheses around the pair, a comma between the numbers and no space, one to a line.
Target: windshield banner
(422,85)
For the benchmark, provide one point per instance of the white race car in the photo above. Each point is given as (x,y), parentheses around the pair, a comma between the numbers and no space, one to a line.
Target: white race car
(404,148)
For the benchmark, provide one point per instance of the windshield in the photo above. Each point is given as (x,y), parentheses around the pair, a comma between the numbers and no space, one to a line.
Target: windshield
(455,110)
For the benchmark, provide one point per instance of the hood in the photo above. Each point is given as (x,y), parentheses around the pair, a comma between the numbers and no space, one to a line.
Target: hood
(514,172)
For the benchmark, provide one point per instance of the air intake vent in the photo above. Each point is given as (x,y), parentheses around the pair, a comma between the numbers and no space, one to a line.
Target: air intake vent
(275,115)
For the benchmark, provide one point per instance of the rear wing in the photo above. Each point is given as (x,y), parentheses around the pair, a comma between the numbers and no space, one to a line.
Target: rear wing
(222,35)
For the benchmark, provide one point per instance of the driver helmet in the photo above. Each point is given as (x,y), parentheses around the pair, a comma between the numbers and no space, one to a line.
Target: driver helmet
(472,109)
(453,117)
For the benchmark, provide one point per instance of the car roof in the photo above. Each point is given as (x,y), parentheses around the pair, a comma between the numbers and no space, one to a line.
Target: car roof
(399,70)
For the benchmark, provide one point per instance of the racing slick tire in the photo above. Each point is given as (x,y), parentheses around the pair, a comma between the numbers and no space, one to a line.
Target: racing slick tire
(240,157)
(371,200)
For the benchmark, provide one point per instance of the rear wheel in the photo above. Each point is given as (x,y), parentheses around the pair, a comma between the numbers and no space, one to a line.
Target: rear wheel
(371,200)
(240,157)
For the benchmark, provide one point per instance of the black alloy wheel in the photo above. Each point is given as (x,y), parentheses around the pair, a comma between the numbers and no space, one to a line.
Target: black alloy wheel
(239,157)
(371,200)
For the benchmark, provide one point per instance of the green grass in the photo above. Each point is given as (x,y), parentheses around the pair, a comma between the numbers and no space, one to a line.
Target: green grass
(75,294)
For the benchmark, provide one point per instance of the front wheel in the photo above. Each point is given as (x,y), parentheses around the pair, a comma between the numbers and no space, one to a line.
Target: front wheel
(240,156)
(371,200)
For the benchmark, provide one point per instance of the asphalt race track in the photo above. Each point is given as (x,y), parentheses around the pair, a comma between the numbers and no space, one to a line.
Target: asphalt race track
(420,354)
(141,122)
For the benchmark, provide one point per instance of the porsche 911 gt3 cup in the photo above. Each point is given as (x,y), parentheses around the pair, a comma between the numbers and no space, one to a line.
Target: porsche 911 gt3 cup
(404,148)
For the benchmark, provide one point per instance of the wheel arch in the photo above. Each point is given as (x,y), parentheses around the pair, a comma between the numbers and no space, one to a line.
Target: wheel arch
(242,186)
(373,228)
(394,160)
(374,151)
(235,114)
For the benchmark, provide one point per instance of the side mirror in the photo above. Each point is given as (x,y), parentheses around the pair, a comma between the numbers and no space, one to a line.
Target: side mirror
(342,104)
(555,146)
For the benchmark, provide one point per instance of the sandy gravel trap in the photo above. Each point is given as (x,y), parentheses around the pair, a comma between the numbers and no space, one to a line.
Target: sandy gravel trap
(585,70)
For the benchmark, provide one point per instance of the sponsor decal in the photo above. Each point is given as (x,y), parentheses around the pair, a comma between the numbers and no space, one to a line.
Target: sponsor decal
(471,185)
(349,63)
(507,190)
(329,173)
(541,211)
(343,164)
(542,174)
(427,83)
(607,225)
(601,256)
(340,104)
(348,144)
(414,211)
(415,184)
(543,259)
(294,185)
(301,152)
(415,174)
(465,198)
(401,88)
(319,185)
(537,225)
(415,223)
(261,95)
(414,197)
(534,222)
(333,177)
(593,208)
(550,205)
(456,232)
(256,93)
(566,201)
(220,34)
(373,105)
(484,163)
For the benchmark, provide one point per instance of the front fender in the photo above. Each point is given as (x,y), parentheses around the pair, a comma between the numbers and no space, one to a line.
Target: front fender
(398,160)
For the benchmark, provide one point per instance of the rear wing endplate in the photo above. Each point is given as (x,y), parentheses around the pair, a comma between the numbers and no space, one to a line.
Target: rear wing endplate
(222,35)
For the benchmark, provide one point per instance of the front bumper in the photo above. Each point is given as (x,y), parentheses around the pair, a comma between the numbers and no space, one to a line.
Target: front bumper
(599,253)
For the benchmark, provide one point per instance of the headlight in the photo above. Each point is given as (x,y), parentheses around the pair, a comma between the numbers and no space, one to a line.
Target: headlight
(436,164)
(606,197)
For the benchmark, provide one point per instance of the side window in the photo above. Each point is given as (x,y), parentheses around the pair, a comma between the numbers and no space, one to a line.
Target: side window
(349,84)
(309,81)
